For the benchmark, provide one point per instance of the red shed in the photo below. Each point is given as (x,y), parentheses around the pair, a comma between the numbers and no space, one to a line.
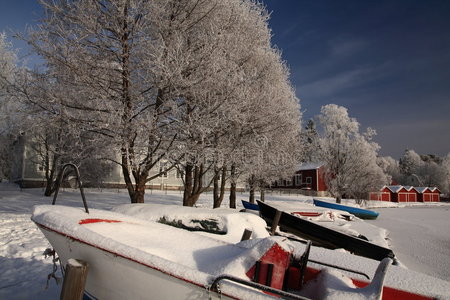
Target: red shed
(436,194)
(393,190)
(427,194)
(383,195)
(411,194)
(401,193)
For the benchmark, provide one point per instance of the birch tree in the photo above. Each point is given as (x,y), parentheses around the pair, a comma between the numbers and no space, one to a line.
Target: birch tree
(349,156)
(423,170)
(120,59)
(391,167)
(158,80)
(446,167)
(9,105)
(242,87)
(309,139)
(410,162)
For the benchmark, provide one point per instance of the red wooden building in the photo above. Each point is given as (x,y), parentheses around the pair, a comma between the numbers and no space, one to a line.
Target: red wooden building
(383,195)
(399,193)
(409,195)
(427,194)
(309,177)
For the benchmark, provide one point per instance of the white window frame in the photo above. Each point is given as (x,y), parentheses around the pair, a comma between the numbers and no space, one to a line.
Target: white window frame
(163,170)
(298,179)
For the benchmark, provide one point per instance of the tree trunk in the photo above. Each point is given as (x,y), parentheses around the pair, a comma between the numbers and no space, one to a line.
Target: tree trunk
(48,189)
(233,187)
(193,185)
(126,174)
(216,201)
(251,198)
(139,190)
(262,195)
(233,195)
(127,147)
(223,183)
(187,184)
(50,174)
(338,199)
(219,193)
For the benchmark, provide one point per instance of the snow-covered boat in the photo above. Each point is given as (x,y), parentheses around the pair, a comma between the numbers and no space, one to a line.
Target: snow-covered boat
(132,258)
(316,215)
(359,212)
(249,205)
(324,236)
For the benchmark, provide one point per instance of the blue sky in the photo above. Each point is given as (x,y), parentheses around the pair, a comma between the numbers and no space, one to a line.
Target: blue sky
(387,62)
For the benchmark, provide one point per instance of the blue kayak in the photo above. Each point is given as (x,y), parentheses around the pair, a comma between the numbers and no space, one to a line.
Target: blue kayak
(249,205)
(359,212)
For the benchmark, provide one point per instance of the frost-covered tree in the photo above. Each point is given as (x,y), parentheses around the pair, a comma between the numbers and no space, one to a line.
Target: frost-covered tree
(272,125)
(159,81)
(241,94)
(446,167)
(410,162)
(310,142)
(367,175)
(9,106)
(349,156)
(391,167)
(433,175)
(423,170)
(419,170)
(131,65)
(55,143)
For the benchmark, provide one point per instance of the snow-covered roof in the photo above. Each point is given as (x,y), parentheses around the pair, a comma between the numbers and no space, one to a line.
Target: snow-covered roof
(421,189)
(433,189)
(394,188)
(309,166)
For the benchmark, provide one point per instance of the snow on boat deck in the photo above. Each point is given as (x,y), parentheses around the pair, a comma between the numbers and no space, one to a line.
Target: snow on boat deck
(176,251)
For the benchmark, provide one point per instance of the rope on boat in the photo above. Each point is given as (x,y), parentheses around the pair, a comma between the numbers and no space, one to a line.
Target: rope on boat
(51,253)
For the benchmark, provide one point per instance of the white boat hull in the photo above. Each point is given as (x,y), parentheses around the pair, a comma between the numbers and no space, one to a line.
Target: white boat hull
(112,276)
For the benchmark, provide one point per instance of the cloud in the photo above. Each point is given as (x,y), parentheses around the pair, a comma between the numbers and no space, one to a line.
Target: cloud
(333,85)
(342,47)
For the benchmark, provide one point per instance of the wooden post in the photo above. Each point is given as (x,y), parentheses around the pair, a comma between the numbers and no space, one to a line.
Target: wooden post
(74,280)
(246,235)
(275,222)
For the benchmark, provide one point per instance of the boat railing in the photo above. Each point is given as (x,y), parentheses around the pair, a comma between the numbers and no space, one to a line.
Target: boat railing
(77,177)
(325,264)
(286,295)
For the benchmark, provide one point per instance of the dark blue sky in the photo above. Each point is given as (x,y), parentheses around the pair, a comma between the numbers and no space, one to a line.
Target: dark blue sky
(388,62)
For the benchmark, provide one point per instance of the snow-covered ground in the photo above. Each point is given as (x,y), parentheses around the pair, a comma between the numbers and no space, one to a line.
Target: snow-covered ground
(419,237)
(24,269)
